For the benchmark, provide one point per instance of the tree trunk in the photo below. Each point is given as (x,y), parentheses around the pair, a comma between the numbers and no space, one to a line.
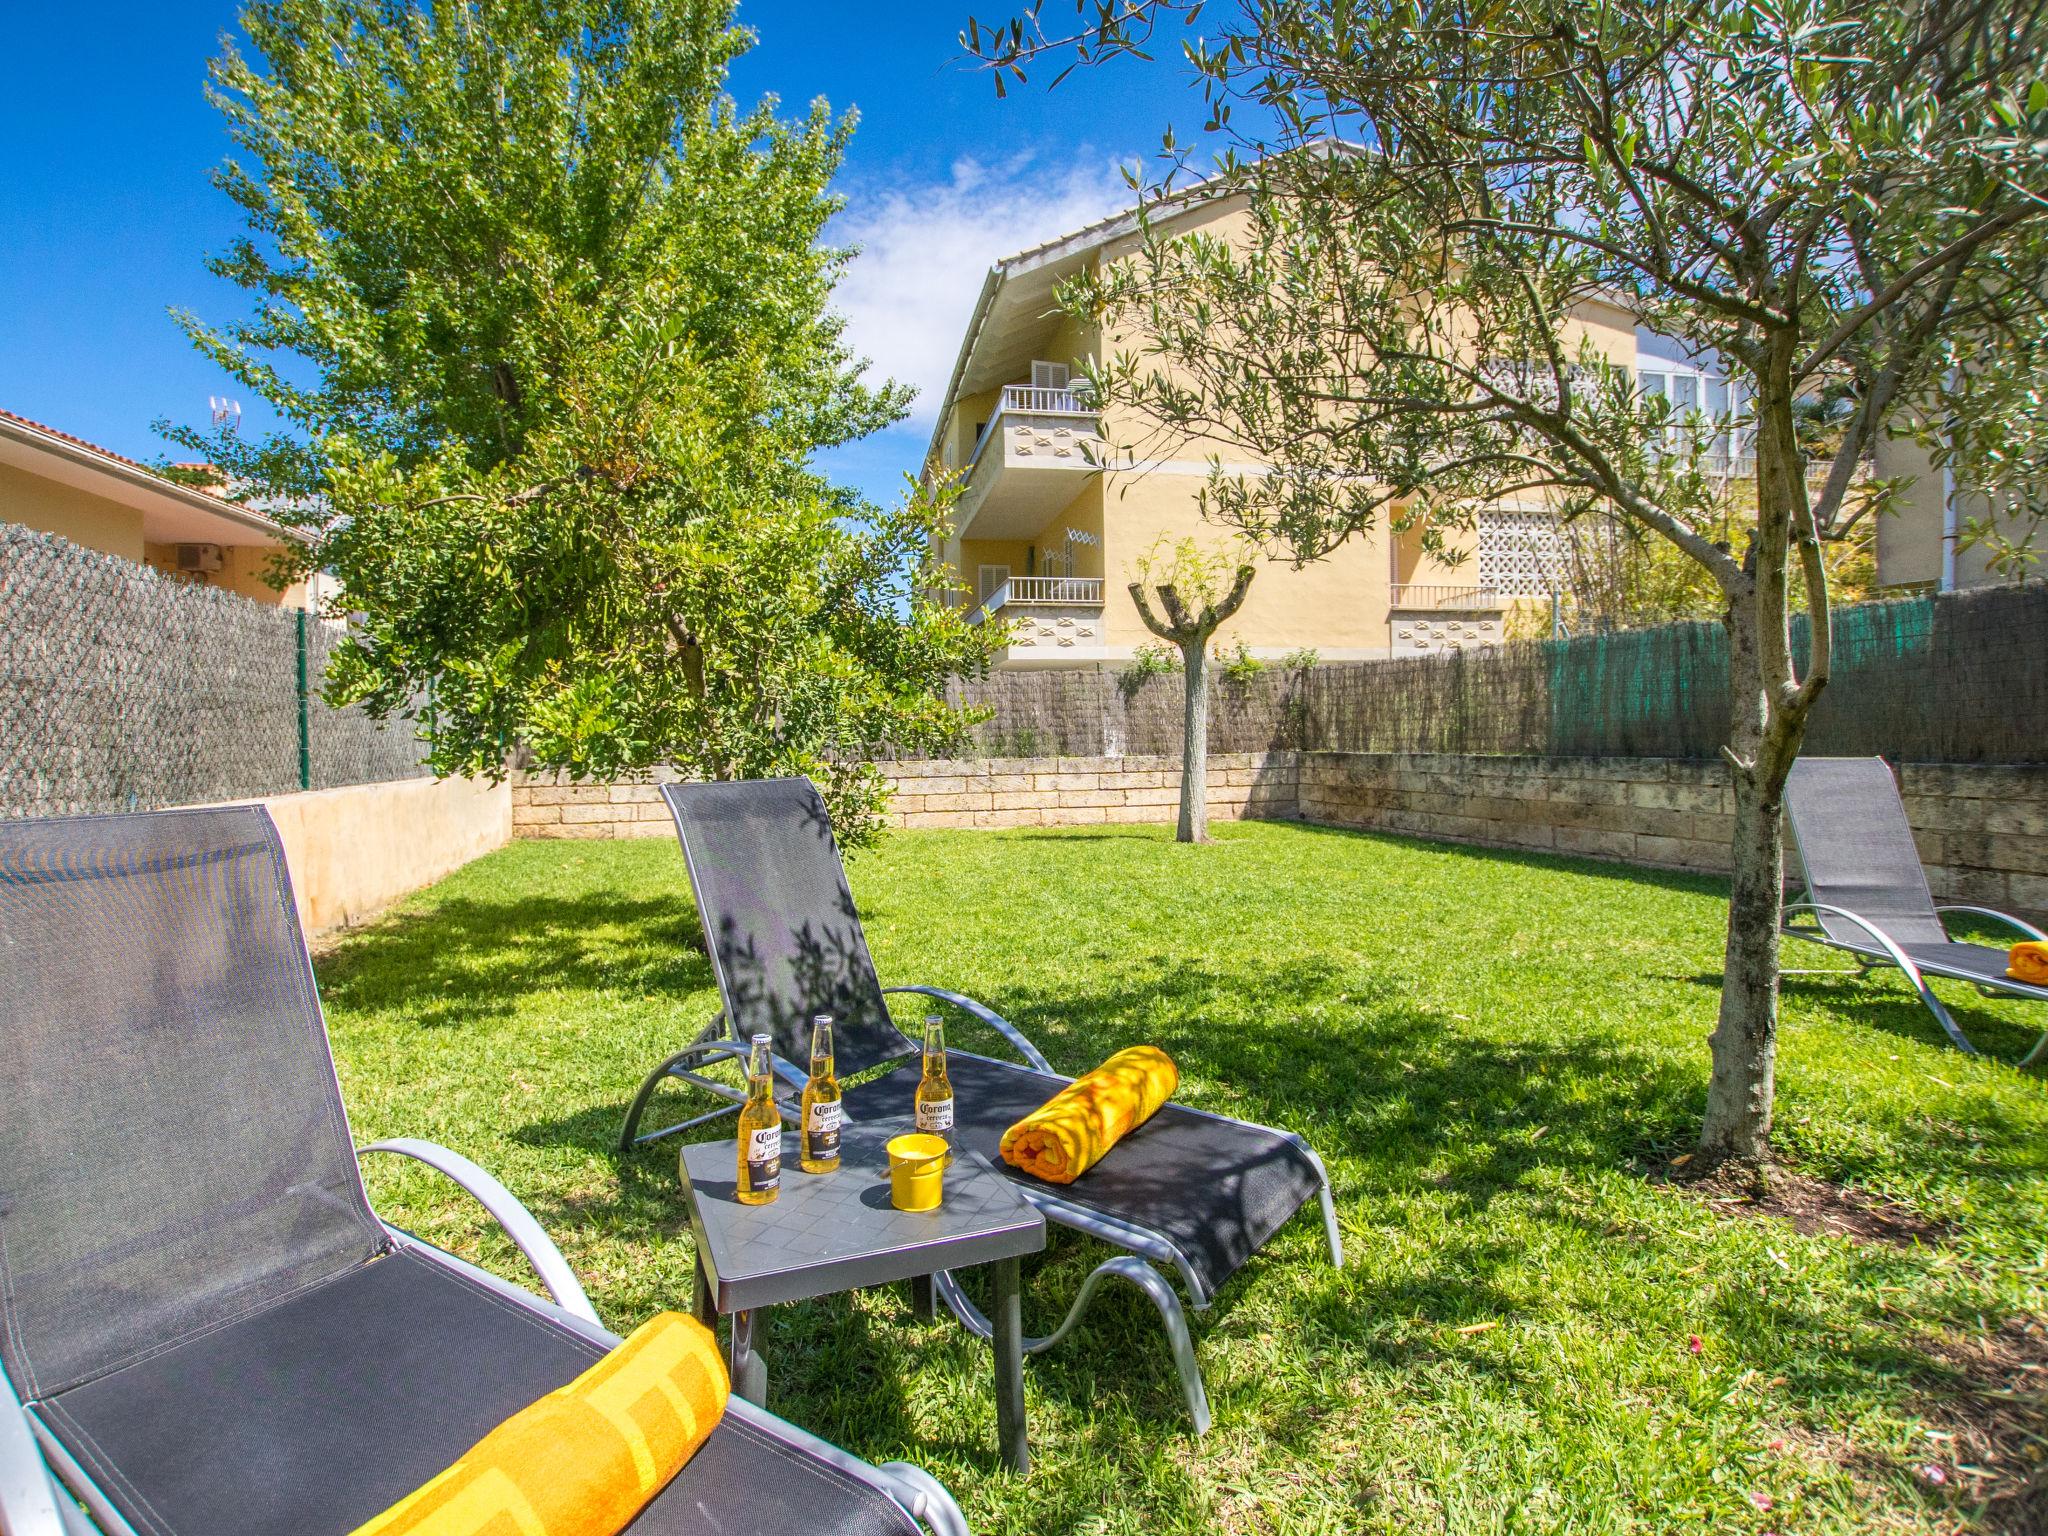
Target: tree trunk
(1745,1042)
(1767,728)
(1194,747)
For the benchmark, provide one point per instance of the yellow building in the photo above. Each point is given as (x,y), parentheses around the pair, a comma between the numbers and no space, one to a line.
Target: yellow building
(1046,534)
(56,483)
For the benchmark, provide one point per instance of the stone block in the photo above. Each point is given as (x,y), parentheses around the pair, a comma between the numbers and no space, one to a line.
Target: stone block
(1163,795)
(2027,896)
(948,818)
(1031,817)
(590,814)
(1681,853)
(1075,815)
(1665,795)
(956,800)
(1066,780)
(1087,797)
(1596,843)
(586,831)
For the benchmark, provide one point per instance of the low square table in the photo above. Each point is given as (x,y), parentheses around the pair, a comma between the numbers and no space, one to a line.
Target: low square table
(838,1231)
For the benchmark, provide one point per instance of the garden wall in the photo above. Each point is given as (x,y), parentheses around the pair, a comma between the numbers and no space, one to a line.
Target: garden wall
(1983,831)
(986,792)
(353,852)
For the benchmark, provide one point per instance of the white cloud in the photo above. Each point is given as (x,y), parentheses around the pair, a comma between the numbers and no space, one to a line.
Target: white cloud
(925,250)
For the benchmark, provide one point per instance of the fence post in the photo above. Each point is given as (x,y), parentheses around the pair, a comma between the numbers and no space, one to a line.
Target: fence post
(305,709)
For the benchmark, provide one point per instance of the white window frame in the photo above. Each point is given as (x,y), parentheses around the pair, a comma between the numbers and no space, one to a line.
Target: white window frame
(1045,375)
(984,589)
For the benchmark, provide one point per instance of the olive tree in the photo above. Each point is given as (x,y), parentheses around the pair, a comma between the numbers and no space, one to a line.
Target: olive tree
(1198,591)
(549,319)
(1820,193)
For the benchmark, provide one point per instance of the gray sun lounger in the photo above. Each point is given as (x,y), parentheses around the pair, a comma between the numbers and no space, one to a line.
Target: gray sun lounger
(205,1329)
(1193,1193)
(1867,894)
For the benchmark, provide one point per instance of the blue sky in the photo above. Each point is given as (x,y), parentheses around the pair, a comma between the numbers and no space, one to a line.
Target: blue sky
(106,211)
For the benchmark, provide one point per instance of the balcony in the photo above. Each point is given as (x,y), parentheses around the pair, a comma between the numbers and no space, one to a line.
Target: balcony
(1432,597)
(1427,617)
(1033,456)
(1053,619)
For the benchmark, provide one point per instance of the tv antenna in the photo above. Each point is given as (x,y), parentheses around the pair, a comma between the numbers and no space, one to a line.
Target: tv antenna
(227,414)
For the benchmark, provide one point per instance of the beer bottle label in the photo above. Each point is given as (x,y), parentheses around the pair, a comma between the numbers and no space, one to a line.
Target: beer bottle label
(764,1159)
(824,1130)
(935,1116)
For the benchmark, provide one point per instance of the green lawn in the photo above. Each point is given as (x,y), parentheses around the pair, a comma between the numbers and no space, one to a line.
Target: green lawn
(1489,1050)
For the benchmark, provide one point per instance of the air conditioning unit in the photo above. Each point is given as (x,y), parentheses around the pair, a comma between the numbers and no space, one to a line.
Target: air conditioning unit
(198,559)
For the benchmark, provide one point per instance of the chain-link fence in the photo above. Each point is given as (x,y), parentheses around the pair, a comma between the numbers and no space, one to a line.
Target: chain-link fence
(1961,678)
(123,690)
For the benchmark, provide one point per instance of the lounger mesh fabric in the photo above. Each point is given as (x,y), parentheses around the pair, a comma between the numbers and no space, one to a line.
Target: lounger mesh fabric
(158,1178)
(786,941)
(312,1416)
(1857,851)
(1216,1188)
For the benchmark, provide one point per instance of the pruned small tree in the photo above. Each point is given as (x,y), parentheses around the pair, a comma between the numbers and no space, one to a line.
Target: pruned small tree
(1198,591)
(1830,193)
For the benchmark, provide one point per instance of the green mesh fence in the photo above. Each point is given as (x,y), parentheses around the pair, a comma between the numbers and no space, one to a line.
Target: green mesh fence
(121,689)
(1961,678)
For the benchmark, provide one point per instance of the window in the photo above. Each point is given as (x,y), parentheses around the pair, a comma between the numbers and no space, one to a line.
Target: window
(1048,375)
(990,580)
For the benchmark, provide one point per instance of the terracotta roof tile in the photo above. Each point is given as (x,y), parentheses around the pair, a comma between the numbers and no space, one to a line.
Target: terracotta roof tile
(106,453)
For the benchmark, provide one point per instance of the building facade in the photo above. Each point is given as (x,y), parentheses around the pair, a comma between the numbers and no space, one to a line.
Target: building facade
(1048,529)
(56,483)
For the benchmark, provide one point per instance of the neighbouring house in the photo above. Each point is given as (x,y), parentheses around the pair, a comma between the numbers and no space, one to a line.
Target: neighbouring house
(1047,529)
(56,483)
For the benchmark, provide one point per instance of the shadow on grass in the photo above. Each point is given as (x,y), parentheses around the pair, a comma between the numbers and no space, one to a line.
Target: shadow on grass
(1882,999)
(469,959)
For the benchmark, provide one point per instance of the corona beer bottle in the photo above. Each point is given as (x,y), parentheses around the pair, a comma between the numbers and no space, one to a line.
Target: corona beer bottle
(935,1088)
(760,1131)
(819,1145)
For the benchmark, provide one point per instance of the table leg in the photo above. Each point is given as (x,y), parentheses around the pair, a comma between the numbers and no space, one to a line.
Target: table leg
(749,1370)
(924,1300)
(1012,1439)
(701,1304)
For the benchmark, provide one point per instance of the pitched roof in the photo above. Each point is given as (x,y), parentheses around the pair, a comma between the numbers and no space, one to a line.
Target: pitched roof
(119,476)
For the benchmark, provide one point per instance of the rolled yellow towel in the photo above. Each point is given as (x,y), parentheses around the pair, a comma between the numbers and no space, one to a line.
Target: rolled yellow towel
(588,1457)
(1066,1136)
(2028,962)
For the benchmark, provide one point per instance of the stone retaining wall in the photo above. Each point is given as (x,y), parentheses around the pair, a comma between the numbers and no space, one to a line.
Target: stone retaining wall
(1983,832)
(986,792)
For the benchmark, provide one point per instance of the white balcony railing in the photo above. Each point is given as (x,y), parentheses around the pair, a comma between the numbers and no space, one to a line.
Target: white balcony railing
(1041,591)
(1430,595)
(1034,401)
